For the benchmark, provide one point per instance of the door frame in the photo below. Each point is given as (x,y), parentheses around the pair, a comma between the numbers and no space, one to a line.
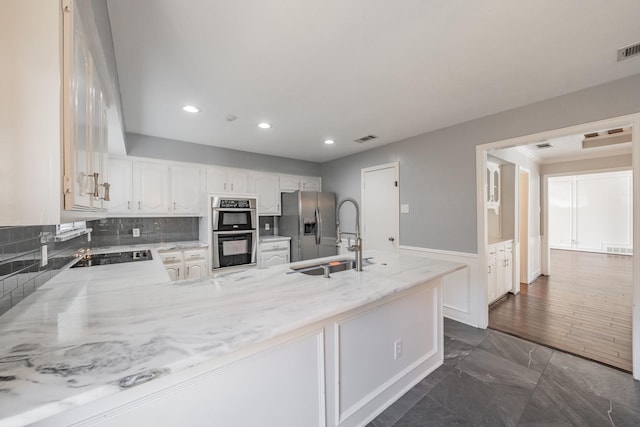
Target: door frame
(527,172)
(396,218)
(482,239)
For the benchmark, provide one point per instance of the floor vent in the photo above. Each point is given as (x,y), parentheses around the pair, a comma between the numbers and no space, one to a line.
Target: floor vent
(628,51)
(618,250)
(365,139)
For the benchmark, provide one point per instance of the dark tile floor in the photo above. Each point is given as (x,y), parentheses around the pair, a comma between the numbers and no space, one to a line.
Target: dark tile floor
(493,379)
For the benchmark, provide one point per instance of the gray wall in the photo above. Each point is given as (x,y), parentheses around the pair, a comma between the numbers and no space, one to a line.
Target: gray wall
(169,149)
(437,169)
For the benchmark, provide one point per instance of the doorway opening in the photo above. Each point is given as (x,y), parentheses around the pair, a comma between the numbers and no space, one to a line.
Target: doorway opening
(568,287)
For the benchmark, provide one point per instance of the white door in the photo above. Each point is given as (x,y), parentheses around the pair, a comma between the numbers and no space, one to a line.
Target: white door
(380,207)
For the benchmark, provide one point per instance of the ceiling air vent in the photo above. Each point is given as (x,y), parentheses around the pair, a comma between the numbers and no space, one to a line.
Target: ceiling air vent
(544,145)
(365,139)
(628,51)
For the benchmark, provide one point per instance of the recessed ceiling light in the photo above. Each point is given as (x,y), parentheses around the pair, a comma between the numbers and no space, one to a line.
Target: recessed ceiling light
(329,141)
(191,109)
(264,125)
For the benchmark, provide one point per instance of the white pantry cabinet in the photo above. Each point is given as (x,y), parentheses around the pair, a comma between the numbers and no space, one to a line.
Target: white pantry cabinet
(267,186)
(53,122)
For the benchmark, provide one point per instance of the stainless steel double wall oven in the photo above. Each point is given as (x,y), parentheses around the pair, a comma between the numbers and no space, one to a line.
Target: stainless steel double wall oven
(235,239)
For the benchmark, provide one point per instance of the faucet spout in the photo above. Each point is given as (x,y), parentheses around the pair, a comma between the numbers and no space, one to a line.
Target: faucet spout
(357,247)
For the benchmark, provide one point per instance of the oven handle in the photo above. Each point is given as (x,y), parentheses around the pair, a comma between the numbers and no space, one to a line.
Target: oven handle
(250,231)
(319,227)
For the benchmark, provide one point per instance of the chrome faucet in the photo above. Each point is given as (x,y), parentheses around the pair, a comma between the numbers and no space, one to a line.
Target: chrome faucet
(357,247)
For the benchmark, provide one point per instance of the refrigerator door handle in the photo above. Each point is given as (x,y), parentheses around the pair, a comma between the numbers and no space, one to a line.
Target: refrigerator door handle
(319,227)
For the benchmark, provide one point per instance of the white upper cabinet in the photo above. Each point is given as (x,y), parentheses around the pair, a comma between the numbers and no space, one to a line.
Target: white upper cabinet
(186,190)
(227,180)
(493,186)
(121,178)
(267,186)
(302,183)
(53,169)
(151,188)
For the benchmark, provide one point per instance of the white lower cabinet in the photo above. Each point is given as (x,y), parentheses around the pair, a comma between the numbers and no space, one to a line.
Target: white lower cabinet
(500,269)
(341,371)
(274,253)
(185,263)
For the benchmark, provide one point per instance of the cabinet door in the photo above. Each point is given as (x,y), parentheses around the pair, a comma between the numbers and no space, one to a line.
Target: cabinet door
(269,259)
(216,180)
(151,185)
(507,284)
(176,271)
(78,186)
(289,183)
(121,191)
(237,181)
(268,190)
(186,191)
(310,183)
(492,280)
(195,269)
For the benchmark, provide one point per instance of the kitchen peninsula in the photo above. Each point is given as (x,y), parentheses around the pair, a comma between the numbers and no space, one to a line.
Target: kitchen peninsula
(120,344)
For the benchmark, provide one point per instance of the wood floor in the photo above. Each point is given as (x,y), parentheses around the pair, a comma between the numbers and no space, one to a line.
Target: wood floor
(584,307)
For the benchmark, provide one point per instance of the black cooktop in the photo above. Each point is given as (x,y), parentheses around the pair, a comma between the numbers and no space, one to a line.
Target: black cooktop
(113,258)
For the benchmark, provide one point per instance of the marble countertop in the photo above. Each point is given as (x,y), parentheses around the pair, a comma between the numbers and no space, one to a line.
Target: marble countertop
(97,331)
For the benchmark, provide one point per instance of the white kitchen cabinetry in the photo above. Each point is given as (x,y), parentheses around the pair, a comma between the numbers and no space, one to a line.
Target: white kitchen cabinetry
(274,253)
(493,186)
(227,180)
(195,263)
(174,263)
(186,190)
(500,269)
(121,178)
(303,183)
(185,263)
(53,117)
(151,185)
(267,187)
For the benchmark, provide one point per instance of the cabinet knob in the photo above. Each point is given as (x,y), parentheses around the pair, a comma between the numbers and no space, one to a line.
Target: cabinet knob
(392,239)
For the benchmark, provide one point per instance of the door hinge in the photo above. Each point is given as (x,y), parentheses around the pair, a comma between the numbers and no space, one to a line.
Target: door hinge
(66,5)
(66,184)
(395,183)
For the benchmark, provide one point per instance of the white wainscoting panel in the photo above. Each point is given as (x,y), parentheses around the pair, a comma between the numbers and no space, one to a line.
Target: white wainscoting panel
(463,296)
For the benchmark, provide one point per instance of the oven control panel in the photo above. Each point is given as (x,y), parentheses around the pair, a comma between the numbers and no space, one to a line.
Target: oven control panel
(234,204)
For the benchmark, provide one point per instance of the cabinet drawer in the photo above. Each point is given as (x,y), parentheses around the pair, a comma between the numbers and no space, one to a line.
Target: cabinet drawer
(194,254)
(171,256)
(274,246)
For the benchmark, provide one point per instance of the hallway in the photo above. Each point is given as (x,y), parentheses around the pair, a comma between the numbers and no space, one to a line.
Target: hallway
(583,307)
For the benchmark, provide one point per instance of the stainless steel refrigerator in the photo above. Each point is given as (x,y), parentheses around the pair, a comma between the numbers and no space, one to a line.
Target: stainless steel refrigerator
(309,218)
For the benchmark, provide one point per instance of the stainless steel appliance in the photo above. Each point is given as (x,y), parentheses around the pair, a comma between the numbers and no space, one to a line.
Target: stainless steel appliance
(309,218)
(233,224)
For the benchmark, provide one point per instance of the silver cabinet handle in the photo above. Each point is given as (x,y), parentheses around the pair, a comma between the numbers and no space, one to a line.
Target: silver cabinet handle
(174,206)
(232,187)
(96,192)
(489,269)
(129,205)
(107,187)
(139,204)
(225,186)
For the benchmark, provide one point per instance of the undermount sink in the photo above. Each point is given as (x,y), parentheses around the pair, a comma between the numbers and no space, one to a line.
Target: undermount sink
(326,268)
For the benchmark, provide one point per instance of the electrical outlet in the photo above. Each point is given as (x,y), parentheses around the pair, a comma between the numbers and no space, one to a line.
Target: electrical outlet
(266,226)
(136,232)
(404,208)
(397,349)
(44,259)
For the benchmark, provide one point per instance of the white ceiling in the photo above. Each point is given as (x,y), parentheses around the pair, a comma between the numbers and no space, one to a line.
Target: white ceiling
(345,69)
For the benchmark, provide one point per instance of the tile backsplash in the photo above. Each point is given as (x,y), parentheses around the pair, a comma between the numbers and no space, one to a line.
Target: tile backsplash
(21,272)
(119,231)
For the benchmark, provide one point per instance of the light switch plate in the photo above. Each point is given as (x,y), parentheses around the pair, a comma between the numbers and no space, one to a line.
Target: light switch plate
(136,232)
(266,226)
(404,208)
